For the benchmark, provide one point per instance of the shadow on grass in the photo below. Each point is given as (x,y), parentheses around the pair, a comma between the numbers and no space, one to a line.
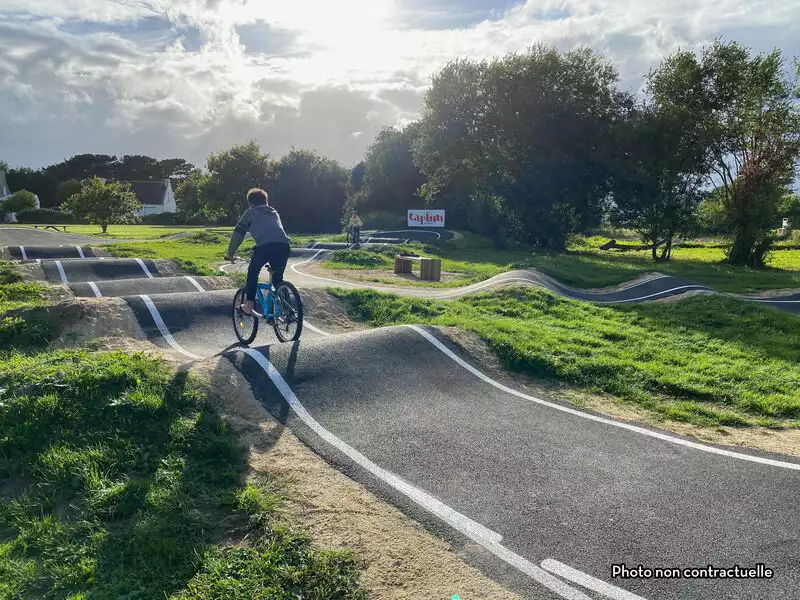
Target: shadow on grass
(131,477)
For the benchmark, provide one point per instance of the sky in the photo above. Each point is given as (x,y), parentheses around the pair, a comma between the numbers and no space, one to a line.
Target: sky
(185,78)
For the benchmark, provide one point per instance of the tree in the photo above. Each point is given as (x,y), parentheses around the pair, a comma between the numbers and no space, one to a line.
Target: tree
(231,174)
(104,203)
(745,108)
(661,175)
(310,192)
(18,201)
(189,195)
(3,165)
(176,168)
(523,140)
(66,189)
(391,180)
(39,182)
(83,166)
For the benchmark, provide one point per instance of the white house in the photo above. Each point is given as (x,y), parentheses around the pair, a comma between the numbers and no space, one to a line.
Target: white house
(156,196)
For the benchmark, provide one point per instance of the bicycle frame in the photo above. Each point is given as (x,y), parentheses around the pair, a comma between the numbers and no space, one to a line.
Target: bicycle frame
(269,301)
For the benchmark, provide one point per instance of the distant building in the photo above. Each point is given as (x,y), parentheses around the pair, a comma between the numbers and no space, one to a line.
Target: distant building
(156,196)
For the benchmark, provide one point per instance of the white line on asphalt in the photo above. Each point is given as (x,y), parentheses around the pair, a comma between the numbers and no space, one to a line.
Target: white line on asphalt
(315,329)
(193,281)
(80,251)
(144,267)
(587,581)
(661,293)
(61,271)
(471,529)
(660,436)
(95,289)
(162,327)
(22,252)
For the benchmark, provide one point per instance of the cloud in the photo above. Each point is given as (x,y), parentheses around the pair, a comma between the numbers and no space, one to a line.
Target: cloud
(191,77)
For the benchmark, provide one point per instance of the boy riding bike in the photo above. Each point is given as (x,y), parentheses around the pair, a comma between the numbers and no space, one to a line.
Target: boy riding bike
(272,244)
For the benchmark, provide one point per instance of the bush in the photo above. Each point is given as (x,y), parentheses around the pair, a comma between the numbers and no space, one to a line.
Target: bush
(45,216)
(17,202)
(163,219)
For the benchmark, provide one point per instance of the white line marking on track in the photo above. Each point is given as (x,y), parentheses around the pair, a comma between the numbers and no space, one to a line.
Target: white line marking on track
(661,293)
(193,281)
(587,581)
(144,268)
(315,329)
(653,434)
(60,268)
(471,529)
(23,253)
(80,251)
(95,289)
(162,327)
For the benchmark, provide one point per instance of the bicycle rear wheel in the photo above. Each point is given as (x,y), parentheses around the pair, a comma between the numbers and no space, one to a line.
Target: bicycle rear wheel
(289,324)
(245,326)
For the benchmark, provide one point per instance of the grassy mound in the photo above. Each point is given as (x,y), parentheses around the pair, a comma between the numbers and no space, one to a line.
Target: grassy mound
(706,360)
(118,480)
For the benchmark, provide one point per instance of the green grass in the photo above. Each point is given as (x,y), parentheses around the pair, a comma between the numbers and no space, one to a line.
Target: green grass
(705,360)
(17,293)
(197,253)
(131,232)
(473,259)
(587,266)
(118,480)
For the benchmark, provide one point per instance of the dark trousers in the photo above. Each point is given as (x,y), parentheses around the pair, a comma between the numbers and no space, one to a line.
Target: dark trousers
(277,255)
(356,234)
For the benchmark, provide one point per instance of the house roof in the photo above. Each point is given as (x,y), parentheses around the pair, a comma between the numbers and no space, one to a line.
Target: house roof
(149,192)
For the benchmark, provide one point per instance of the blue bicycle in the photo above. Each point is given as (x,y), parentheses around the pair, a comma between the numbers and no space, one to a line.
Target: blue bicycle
(282,308)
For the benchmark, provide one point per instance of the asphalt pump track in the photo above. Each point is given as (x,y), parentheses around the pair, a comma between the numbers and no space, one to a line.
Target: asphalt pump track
(541,496)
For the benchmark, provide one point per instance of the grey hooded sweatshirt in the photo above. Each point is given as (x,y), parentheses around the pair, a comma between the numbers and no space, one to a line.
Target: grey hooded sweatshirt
(263,223)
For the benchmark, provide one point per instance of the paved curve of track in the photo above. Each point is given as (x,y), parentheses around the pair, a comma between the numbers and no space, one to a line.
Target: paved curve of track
(653,287)
(543,497)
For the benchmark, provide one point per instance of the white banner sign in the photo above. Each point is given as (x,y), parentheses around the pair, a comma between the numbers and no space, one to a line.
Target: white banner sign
(426,218)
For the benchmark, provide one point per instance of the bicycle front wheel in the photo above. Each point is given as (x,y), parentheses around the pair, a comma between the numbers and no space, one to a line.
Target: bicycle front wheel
(245,326)
(289,323)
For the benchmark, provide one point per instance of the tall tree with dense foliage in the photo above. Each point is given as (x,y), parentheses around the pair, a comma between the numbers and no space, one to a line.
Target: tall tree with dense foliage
(391,178)
(104,203)
(231,174)
(746,110)
(660,178)
(525,138)
(310,192)
(189,196)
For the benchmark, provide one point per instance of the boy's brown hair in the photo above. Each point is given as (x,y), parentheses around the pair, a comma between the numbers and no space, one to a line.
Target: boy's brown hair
(257,196)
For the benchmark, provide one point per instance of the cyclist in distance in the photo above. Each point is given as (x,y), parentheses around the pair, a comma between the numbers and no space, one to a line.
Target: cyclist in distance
(355,226)
(272,244)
